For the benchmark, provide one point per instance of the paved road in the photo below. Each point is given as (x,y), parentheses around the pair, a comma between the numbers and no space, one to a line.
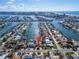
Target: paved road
(59,49)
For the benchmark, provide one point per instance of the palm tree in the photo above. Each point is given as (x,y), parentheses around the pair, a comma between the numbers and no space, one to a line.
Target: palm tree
(33,54)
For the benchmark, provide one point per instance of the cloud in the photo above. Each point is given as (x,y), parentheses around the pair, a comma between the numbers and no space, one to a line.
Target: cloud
(10,2)
(11,5)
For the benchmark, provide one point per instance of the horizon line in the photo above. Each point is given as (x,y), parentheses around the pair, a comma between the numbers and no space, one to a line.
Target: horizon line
(40,11)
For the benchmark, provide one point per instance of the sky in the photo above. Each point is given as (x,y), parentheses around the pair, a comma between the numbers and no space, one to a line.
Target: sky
(39,5)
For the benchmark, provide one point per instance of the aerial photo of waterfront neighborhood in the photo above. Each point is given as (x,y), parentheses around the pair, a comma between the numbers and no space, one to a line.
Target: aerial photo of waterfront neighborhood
(38,32)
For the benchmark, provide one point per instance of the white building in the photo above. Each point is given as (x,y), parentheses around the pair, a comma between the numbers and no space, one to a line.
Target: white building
(56,57)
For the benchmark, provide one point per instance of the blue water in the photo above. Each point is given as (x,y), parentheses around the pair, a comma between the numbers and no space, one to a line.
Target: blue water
(7,28)
(20,16)
(71,12)
(33,31)
(69,33)
(27,57)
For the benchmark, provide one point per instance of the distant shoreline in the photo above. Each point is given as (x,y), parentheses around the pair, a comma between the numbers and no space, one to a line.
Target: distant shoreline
(72,15)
